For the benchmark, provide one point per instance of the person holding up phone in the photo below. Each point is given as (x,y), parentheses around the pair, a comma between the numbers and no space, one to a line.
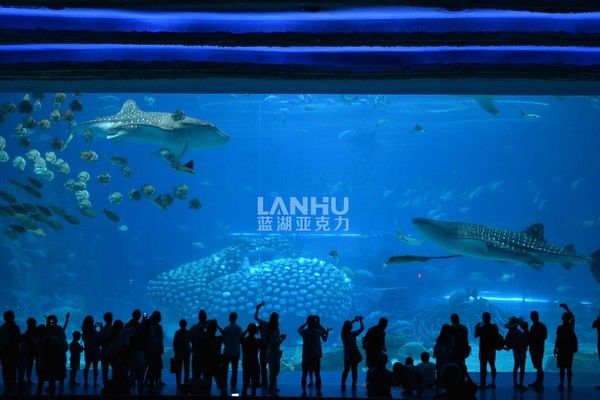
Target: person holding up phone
(352,355)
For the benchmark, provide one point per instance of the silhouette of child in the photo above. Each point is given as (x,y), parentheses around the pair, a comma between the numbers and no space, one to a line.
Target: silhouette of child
(75,348)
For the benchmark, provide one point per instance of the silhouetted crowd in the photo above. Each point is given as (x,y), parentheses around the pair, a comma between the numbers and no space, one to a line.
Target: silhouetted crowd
(129,355)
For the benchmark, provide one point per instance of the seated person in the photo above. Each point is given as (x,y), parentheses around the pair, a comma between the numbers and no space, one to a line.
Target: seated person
(398,373)
(427,370)
(413,380)
(380,379)
(455,384)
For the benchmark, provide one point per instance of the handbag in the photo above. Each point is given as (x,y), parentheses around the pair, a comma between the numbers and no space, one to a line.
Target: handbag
(172,366)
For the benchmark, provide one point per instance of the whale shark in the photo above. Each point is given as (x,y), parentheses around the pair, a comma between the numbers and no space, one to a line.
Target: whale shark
(528,246)
(177,135)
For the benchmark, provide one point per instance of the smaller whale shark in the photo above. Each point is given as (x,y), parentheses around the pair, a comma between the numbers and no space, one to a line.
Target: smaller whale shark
(410,258)
(175,134)
(481,241)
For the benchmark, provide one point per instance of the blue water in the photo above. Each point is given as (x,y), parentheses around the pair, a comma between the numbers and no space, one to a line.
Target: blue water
(502,170)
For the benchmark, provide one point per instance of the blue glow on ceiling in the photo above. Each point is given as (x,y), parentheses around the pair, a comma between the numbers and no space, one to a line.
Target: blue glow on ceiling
(383,20)
(387,58)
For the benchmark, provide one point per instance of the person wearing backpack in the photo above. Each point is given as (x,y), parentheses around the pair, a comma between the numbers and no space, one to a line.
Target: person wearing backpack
(488,338)
(565,346)
(537,337)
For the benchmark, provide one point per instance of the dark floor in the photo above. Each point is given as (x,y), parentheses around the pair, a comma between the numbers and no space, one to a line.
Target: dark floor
(289,383)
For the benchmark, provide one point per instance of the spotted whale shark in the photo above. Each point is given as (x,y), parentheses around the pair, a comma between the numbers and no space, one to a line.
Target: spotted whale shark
(177,135)
(528,246)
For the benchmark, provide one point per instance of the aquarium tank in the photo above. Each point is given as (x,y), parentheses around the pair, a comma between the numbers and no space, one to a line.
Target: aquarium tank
(176,178)
(298,200)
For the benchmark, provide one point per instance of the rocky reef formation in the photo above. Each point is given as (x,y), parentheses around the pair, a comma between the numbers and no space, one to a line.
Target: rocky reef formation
(423,325)
(252,270)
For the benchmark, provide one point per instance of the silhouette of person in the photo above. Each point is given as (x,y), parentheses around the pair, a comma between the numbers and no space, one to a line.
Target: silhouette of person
(75,350)
(412,379)
(198,342)
(155,363)
(122,339)
(231,349)
(398,373)
(516,340)
(442,351)
(41,354)
(374,342)
(250,365)
(134,354)
(55,347)
(488,338)
(596,326)
(427,370)
(311,373)
(213,355)
(262,355)
(91,344)
(273,339)
(104,337)
(120,359)
(352,354)
(312,333)
(379,379)
(565,346)
(28,342)
(455,383)
(136,315)
(10,338)
(537,338)
(150,349)
(460,345)
(460,338)
(181,352)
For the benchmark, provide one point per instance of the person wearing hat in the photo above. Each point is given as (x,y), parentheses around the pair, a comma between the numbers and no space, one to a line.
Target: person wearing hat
(516,340)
